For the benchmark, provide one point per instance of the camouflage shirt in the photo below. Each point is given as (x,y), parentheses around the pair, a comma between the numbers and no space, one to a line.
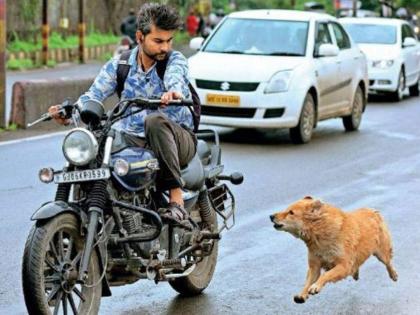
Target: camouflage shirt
(144,84)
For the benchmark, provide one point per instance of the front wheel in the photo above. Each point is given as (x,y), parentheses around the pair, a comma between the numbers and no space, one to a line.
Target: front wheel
(50,268)
(415,89)
(352,122)
(200,278)
(302,133)
(398,95)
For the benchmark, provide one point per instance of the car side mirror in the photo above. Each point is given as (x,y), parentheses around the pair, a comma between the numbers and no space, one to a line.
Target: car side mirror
(196,43)
(409,42)
(328,50)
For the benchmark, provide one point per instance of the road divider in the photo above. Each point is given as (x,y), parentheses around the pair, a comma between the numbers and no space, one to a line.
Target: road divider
(30,99)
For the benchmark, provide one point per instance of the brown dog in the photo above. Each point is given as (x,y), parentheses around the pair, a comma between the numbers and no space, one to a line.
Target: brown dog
(337,242)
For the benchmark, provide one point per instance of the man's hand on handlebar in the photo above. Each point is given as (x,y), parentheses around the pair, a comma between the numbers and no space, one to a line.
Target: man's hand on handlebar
(56,113)
(170,96)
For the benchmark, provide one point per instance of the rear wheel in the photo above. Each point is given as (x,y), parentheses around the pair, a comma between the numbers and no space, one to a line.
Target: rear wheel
(415,89)
(200,278)
(352,122)
(302,133)
(398,95)
(50,269)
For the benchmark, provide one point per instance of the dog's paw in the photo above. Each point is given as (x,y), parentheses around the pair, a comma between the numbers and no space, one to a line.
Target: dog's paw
(394,275)
(299,299)
(315,289)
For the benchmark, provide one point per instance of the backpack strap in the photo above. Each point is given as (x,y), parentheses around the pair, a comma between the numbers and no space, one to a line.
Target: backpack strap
(122,71)
(161,66)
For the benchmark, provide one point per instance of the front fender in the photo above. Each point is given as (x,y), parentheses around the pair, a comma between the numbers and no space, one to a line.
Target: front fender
(53,208)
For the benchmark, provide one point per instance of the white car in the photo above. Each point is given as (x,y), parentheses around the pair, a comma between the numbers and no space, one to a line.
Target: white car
(393,54)
(279,69)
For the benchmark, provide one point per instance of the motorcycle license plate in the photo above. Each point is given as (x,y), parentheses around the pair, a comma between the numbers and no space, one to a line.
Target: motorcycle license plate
(222,100)
(82,176)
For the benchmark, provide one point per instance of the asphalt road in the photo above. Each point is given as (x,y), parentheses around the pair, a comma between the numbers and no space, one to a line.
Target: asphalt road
(259,269)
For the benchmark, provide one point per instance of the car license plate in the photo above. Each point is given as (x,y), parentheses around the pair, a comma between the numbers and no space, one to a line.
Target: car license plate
(82,176)
(222,100)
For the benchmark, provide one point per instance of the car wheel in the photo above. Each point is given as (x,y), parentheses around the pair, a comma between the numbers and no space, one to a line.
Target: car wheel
(415,89)
(352,122)
(398,94)
(302,133)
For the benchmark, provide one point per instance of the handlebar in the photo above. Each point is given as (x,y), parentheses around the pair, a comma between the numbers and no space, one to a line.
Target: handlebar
(65,109)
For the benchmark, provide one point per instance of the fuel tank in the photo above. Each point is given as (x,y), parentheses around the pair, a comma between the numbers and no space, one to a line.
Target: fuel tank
(142,165)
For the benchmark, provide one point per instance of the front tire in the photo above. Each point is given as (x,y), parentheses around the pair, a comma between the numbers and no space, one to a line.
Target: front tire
(200,278)
(352,122)
(415,89)
(50,268)
(398,95)
(302,133)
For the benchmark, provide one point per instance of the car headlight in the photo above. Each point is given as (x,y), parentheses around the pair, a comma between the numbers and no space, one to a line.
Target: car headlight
(382,64)
(279,82)
(80,146)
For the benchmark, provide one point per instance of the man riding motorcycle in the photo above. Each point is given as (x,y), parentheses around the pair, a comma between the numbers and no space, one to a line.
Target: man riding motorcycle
(168,131)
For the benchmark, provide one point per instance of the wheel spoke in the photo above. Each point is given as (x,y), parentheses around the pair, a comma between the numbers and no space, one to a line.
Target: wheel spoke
(64,304)
(76,259)
(60,244)
(72,304)
(53,293)
(53,278)
(51,264)
(79,294)
(69,248)
(57,304)
(54,251)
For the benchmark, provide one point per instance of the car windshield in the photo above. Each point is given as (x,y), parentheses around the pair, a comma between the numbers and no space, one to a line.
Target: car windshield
(372,34)
(259,37)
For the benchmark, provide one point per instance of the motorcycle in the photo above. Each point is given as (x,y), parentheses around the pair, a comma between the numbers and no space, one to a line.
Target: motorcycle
(104,226)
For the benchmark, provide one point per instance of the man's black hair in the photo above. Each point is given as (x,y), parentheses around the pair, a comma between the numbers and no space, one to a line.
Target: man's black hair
(160,15)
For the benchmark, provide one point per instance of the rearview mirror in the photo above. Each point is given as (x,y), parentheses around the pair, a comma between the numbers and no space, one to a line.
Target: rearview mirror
(409,42)
(196,43)
(328,50)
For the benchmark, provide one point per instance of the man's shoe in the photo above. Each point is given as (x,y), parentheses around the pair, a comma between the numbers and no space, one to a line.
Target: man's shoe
(174,212)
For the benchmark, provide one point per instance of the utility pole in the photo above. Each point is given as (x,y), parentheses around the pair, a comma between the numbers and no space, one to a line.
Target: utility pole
(82,31)
(2,63)
(45,32)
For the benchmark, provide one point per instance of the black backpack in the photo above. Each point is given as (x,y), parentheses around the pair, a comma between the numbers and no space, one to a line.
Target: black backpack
(122,73)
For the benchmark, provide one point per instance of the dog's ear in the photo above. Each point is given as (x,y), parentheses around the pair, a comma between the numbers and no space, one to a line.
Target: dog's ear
(317,205)
(308,198)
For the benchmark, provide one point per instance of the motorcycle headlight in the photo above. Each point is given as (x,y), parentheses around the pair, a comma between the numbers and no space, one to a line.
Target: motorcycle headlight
(382,64)
(80,147)
(279,82)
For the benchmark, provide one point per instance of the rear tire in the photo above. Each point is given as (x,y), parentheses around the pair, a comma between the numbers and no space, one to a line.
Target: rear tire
(352,122)
(415,89)
(47,266)
(200,278)
(302,133)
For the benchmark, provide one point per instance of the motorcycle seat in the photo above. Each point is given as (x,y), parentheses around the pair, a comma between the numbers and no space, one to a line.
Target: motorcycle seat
(193,174)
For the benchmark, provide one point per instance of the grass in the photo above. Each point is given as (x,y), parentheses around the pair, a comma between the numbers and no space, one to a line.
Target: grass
(57,41)
(26,64)
(12,127)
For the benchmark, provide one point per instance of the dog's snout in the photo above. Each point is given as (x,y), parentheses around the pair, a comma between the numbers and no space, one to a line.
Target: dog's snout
(272,217)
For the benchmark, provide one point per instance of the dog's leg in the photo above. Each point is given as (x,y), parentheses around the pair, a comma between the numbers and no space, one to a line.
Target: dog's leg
(314,271)
(337,273)
(356,275)
(386,260)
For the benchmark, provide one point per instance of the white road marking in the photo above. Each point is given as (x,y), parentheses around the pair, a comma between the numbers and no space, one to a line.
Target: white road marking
(50,135)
